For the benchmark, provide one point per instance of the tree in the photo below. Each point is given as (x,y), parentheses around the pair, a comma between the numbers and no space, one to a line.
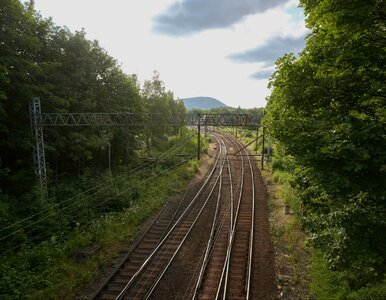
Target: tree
(327,109)
(69,73)
(157,100)
(87,79)
(21,64)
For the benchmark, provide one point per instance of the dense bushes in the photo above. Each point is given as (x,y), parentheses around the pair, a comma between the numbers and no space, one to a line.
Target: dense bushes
(327,110)
(49,271)
(70,74)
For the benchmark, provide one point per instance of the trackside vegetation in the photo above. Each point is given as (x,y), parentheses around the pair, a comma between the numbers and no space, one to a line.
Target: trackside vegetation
(103,182)
(51,270)
(292,252)
(327,113)
(326,117)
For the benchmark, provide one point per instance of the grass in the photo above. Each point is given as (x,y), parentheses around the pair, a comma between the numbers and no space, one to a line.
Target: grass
(293,256)
(292,252)
(302,271)
(49,270)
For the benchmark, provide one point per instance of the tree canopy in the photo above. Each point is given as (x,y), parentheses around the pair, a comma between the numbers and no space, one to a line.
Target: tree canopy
(69,73)
(327,110)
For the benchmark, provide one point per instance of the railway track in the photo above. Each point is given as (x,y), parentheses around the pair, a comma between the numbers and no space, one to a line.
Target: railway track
(226,273)
(224,266)
(141,269)
(240,249)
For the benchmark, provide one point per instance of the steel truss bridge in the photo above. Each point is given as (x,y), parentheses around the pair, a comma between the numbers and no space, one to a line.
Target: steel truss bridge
(41,120)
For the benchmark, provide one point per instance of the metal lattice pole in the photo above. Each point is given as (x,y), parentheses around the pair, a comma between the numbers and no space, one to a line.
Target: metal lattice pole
(199,137)
(39,120)
(262,150)
(38,143)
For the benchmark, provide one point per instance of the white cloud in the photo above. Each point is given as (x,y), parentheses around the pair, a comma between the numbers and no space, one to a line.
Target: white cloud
(268,53)
(190,66)
(186,17)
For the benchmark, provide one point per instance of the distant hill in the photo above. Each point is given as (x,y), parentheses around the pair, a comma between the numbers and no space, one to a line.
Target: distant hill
(204,103)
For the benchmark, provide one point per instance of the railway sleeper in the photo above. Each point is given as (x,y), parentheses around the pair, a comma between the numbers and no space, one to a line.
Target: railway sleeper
(236,297)
(138,253)
(130,267)
(158,228)
(211,285)
(207,297)
(116,287)
(245,218)
(135,295)
(122,278)
(240,246)
(146,247)
(171,245)
(150,240)
(238,260)
(138,259)
(108,295)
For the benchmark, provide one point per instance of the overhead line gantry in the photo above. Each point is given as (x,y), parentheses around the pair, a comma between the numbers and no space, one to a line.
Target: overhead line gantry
(41,120)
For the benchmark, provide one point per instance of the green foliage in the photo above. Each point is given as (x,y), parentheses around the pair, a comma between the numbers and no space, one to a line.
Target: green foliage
(282,173)
(157,100)
(69,73)
(370,292)
(326,284)
(31,270)
(327,110)
(72,74)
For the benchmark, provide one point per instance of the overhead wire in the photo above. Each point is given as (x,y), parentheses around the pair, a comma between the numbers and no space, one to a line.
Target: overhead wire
(142,169)
(101,203)
(186,139)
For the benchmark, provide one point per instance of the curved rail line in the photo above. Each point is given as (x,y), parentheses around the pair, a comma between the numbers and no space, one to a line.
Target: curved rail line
(219,182)
(214,233)
(141,267)
(245,218)
(144,280)
(227,271)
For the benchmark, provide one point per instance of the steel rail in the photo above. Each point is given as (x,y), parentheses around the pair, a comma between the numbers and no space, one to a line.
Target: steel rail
(175,253)
(222,286)
(212,232)
(251,235)
(164,268)
(144,264)
(141,239)
(225,269)
(232,232)
(230,240)
(123,261)
(212,241)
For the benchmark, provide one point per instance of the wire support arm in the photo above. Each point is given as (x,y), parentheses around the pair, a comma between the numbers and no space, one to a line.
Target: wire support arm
(238,151)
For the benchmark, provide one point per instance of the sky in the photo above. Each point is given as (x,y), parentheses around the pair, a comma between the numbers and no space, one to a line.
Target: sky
(225,49)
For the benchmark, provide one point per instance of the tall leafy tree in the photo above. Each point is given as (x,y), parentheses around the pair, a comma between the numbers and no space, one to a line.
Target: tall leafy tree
(87,79)
(327,109)
(157,100)
(69,73)
(21,63)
